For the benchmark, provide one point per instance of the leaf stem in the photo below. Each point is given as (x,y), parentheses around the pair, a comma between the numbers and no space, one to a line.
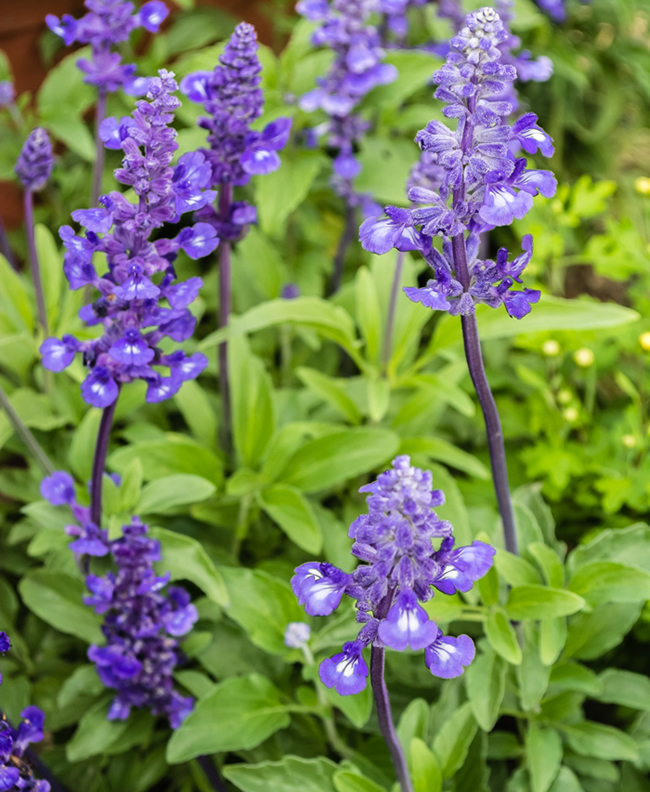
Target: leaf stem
(387,346)
(474,359)
(99,461)
(98,167)
(28,202)
(28,438)
(225,309)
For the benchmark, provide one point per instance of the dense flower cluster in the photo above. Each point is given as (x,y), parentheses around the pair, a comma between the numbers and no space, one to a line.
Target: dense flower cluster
(107,23)
(401,568)
(357,68)
(140,272)
(15,774)
(477,182)
(142,620)
(34,164)
(233,100)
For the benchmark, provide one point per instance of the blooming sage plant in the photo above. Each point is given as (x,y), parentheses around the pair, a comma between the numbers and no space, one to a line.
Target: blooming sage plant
(407,552)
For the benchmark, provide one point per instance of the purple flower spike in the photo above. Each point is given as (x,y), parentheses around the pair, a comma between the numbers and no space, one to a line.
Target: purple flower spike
(407,624)
(131,349)
(319,587)
(58,488)
(7,93)
(36,160)
(463,566)
(347,672)
(58,355)
(447,657)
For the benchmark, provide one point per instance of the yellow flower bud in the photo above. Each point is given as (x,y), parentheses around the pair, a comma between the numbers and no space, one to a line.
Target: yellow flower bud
(551,348)
(584,357)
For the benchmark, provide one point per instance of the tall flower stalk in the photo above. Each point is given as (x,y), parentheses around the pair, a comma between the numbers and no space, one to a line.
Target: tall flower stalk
(128,301)
(33,168)
(107,24)
(475,184)
(400,569)
(233,101)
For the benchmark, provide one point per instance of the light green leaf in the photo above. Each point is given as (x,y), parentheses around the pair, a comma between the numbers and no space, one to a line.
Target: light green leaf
(345,781)
(552,637)
(186,559)
(330,390)
(604,742)
(64,86)
(51,267)
(197,411)
(532,675)
(625,688)
(385,167)
(485,680)
(576,677)
(83,681)
(263,605)
(241,713)
(540,602)
(544,753)
(566,781)
(442,451)
(66,125)
(549,562)
(95,733)
(592,634)
(414,68)
(515,570)
(292,774)
(57,599)
(425,770)
(452,742)
(14,298)
(332,460)
(502,636)
(280,193)
(165,494)
(289,508)
(606,581)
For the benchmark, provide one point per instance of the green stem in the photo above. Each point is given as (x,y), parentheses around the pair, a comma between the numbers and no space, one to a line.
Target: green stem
(28,438)
(241,531)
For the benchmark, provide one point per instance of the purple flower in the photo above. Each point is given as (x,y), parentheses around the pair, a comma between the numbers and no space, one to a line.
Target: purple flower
(400,569)
(446,656)
(319,587)
(58,488)
(5,646)
(395,231)
(297,635)
(14,773)
(407,624)
(109,22)
(140,270)
(35,161)
(347,671)
(7,93)
(141,623)
(531,136)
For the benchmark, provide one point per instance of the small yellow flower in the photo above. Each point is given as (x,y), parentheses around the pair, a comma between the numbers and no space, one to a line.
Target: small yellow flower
(564,396)
(570,414)
(551,348)
(642,185)
(629,440)
(584,357)
(644,340)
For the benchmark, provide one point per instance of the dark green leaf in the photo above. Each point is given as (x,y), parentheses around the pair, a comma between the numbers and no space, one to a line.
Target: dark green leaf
(289,508)
(485,680)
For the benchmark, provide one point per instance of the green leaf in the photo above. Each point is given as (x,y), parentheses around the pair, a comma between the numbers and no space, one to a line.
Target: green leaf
(95,733)
(452,742)
(485,680)
(552,313)
(332,460)
(131,485)
(540,602)
(252,402)
(549,562)
(385,167)
(82,445)
(566,781)
(241,713)
(414,68)
(64,86)
(280,193)
(605,581)
(442,451)
(173,453)
(629,546)
(197,412)
(414,721)
(289,508)
(14,299)
(83,681)
(425,770)
(502,636)
(186,559)
(51,269)
(65,124)
(515,570)
(473,776)
(597,739)
(165,494)
(292,774)
(263,605)
(330,390)
(544,754)
(345,781)
(552,638)
(576,677)
(625,688)
(532,674)
(57,599)
(592,634)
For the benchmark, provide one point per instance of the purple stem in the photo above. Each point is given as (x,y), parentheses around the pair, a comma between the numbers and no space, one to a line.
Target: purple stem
(225,308)
(377,660)
(211,773)
(486,399)
(5,247)
(33,258)
(348,235)
(387,346)
(98,169)
(99,461)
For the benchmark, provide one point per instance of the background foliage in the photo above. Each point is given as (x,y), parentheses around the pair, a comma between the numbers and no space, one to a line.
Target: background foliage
(316,416)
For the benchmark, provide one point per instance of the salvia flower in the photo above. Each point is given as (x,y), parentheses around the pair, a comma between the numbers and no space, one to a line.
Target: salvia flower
(35,160)
(107,23)
(297,635)
(396,541)
(358,67)
(233,100)
(5,645)
(140,272)
(7,92)
(141,623)
(474,181)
